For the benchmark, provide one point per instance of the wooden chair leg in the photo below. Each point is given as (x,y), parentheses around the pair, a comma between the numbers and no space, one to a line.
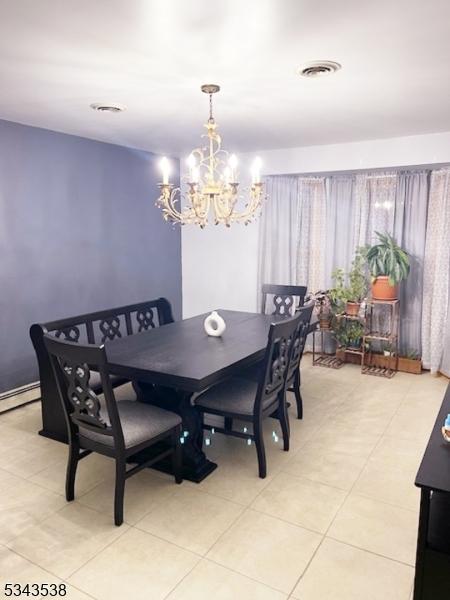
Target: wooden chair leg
(228,424)
(177,459)
(298,396)
(260,451)
(284,422)
(72,463)
(119,489)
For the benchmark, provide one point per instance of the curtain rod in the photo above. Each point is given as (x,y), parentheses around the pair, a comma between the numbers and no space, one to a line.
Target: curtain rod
(319,174)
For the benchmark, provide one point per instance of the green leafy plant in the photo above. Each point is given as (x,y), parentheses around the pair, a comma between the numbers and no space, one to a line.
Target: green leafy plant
(340,331)
(357,289)
(338,293)
(348,333)
(355,332)
(388,259)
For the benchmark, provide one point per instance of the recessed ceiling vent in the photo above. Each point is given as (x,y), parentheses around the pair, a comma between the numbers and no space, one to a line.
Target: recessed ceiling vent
(318,68)
(104,107)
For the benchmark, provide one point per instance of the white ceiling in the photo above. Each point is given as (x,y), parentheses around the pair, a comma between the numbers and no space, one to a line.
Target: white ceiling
(58,56)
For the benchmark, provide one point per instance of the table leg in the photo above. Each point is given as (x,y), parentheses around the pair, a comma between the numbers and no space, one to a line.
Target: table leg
(195,464)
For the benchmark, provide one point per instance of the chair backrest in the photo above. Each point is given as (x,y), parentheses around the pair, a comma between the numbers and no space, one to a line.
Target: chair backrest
(286,298)
(277,358)
(71,363)
(304,313)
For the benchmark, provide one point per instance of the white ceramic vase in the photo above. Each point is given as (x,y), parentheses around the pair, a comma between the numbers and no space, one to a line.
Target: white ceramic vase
(214,324)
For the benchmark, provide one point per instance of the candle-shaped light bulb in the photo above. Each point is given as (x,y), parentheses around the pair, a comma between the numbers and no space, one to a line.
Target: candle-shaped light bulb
(232,162)
(191,164)
(227,175)
(256,170)
(165,169)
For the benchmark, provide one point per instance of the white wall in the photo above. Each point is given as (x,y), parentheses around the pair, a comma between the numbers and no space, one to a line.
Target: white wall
(219,268)
(220,265)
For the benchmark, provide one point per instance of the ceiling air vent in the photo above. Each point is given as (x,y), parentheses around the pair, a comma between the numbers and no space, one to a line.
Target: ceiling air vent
(104,107)
(318,68)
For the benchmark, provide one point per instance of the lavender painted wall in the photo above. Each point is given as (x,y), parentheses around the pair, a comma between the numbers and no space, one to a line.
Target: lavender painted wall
(78,232)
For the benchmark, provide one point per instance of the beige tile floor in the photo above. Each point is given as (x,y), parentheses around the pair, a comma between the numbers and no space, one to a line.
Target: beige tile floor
(335,518)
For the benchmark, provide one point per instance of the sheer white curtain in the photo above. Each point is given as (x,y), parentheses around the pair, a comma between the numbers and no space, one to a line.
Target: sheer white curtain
(435,312)
(293,221)
(410,224)
(279,232)
(312,233)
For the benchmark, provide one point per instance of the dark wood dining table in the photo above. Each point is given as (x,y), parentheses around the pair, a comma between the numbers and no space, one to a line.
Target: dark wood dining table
(170,364)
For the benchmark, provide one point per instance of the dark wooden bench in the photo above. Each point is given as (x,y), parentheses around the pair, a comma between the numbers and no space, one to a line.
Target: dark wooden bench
(91,328)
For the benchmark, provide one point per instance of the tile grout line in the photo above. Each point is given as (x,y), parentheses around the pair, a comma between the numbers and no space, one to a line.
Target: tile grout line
(325,535)
(395,560)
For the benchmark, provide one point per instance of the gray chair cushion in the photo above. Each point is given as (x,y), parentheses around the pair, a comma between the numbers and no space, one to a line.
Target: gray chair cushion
(235,395)
(140,423)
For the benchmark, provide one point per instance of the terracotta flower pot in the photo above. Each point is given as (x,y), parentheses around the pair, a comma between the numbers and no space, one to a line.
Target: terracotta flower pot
(352,309)
(325,322)
(383,290)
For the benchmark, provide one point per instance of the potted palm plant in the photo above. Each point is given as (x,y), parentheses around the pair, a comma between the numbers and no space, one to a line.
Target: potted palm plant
(388,265)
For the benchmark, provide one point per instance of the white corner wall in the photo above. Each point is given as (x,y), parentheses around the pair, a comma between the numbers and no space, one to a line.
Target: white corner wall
(219,265)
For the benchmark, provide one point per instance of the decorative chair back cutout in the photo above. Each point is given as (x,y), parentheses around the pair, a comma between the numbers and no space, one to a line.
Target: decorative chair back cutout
(286,299)
(145,319)
(110,328)
(107,325)
(305,313)
(284,305)
(82,406)
(69,334)
(84,401)
(277,360)
(278,365)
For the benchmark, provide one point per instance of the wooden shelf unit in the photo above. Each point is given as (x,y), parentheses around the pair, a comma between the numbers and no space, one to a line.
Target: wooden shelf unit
(320,358)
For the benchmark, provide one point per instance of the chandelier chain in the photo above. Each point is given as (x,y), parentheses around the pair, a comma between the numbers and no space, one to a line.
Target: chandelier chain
(211,118)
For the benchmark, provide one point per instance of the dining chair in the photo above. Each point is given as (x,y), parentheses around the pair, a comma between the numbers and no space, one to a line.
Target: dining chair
(286,299)
(294,378)
(118,429)
(252,401)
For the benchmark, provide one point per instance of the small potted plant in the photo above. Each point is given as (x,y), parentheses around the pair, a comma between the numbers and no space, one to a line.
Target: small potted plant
(388,265)
(323,309)
(355,332)
(357,289)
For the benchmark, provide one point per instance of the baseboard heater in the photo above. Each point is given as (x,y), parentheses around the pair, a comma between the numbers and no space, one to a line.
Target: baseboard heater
(23,395)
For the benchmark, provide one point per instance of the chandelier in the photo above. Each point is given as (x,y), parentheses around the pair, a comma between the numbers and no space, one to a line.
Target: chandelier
(212,187)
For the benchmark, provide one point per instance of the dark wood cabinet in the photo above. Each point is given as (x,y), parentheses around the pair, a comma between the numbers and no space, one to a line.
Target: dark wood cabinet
(432,579)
